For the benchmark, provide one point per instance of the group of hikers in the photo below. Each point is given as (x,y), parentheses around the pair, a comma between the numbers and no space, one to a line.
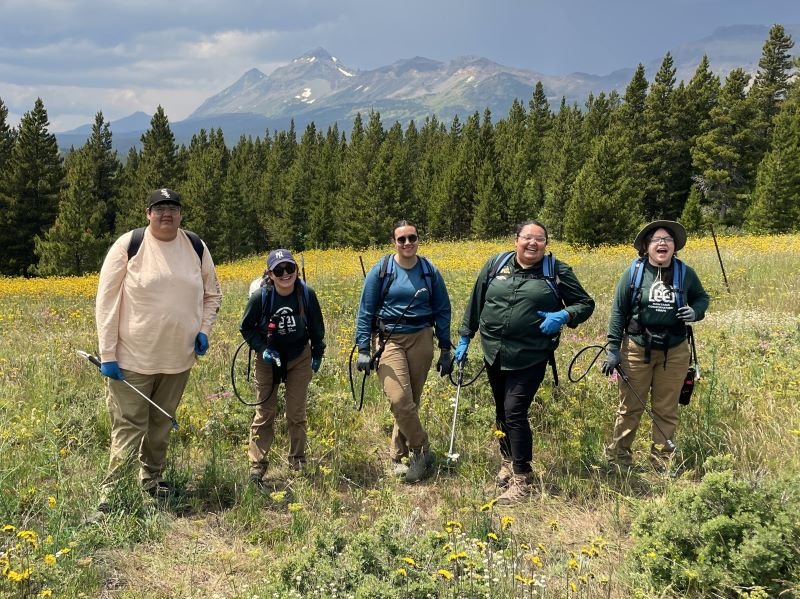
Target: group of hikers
(158,297)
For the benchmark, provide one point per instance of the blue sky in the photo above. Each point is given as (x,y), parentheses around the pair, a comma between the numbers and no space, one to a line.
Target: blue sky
(120,56)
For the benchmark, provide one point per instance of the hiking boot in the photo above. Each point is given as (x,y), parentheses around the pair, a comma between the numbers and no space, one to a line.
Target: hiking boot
(97,516)
(420,466)
(400,467)
(520,489)
(257,480)
(505,474)
(161,490)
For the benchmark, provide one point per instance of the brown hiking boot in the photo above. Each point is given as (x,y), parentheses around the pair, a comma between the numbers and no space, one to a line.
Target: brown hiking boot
(505,474)
(520,489)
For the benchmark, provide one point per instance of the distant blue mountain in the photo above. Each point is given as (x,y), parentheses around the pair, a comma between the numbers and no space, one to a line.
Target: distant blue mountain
(320,88)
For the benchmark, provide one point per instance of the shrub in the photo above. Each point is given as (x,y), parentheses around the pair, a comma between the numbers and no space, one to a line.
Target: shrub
(724,535)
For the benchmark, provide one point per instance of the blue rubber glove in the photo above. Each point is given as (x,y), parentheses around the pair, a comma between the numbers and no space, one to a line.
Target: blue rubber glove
(613,358)
(315,364)
(112,371)
(553,321)
(201,344)
(461,349)
(270,355)
(364,362)
(687,314)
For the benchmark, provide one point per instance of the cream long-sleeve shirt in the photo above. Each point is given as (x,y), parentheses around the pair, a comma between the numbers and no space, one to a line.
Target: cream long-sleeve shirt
(150,309)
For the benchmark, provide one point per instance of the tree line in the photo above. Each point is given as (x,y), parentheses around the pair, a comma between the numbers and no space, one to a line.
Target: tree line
(707,151)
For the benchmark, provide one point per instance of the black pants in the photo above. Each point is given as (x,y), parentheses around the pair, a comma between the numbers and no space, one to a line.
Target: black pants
(513,392)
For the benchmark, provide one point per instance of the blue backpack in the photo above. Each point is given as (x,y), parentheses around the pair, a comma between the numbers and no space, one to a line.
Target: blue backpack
(636,272)
(548,270)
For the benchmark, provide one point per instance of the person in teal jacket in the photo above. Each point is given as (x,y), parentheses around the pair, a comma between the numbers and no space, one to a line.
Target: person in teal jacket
(520,316)
(647,337)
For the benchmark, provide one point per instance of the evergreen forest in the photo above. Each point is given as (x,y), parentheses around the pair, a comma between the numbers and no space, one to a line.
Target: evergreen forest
(707,151)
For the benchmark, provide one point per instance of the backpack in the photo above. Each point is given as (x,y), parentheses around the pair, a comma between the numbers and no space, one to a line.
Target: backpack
(549,273)
(267,302)
(387,276)
(548,270)
(138,236)
(636,272)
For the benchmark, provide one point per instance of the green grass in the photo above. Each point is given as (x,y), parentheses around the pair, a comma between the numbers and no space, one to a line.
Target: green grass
(344,527)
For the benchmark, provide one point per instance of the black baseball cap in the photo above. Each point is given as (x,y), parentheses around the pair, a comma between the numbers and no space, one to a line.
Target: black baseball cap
(163,196)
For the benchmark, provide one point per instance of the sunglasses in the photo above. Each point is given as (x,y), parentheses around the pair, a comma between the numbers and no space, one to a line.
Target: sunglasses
(411,239)
(284,268)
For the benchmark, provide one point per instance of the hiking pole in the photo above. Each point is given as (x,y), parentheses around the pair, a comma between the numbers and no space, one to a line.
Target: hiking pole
(452,457)
(719,257)
(96,362)
(363,270)
(669,443)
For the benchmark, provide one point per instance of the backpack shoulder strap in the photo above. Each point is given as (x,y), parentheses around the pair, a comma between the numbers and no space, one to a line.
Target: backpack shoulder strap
(550,276)
(135,242)
(197,244)
(266,305)
(499,262)
(303,300)
(678,273)
(636,271)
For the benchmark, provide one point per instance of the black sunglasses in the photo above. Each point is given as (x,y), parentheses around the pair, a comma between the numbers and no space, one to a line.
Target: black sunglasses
(284,268)
(411,239)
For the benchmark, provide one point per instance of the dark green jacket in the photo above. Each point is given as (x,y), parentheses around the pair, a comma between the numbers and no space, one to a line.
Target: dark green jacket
(291,335)
(656,309)
(505,312)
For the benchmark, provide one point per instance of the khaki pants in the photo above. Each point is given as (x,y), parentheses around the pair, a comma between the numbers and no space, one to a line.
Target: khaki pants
(402,372)
(664,386)
(262,430)
(138,430)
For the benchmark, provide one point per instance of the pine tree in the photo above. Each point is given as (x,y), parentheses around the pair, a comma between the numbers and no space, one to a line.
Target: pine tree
(35,176)
(204,187)
(241,233)
(7,136)
(80,236)
(157,166)
(776,203)
(724,157)
(771,82)
(273,198)
(489,220)
(434,148)
(565,151)
(692,216)
(323,220)
(300,188)
(604,206)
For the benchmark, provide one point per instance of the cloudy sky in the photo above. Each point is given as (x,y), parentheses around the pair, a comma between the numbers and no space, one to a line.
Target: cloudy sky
(120,56)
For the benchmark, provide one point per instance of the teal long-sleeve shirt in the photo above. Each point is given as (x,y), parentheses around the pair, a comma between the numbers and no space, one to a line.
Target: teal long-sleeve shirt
(656,307)
(505,311)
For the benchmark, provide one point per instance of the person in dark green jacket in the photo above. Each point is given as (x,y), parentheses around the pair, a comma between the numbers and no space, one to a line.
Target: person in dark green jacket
(647,337)
(520,317)
(284,327)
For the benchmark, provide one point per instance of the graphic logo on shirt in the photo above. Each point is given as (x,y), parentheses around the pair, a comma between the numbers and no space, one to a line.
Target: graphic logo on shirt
(285,321)
(662,297)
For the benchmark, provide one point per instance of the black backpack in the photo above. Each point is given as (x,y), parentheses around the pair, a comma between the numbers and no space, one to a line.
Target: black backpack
(138,236)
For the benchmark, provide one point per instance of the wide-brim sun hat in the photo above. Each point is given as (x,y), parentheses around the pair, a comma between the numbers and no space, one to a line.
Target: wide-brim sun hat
(678,232)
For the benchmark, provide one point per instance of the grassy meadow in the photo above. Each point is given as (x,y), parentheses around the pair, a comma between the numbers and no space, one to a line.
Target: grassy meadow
(344,527)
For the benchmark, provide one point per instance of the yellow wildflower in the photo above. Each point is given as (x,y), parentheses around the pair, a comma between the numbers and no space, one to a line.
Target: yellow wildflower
(572,564)
(486,507)
(499,434)
(410,561)
(45,592)
(446,574)
(401,572)
(492,536)
(9,528)
(506,522)
(49,559)
(277,496)
(51,501)
(295,507)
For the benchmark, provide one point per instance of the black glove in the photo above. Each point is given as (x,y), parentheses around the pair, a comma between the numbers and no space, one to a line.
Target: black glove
(444,365)
(687,314)
(612,360)
(363,363)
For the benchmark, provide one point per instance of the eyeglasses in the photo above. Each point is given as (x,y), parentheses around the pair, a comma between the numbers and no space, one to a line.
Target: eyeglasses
(284,268)
(165,209)
(411,239)
(657,240)
(536,238)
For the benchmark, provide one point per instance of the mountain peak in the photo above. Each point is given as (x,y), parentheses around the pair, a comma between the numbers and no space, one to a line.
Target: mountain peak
(318,53)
